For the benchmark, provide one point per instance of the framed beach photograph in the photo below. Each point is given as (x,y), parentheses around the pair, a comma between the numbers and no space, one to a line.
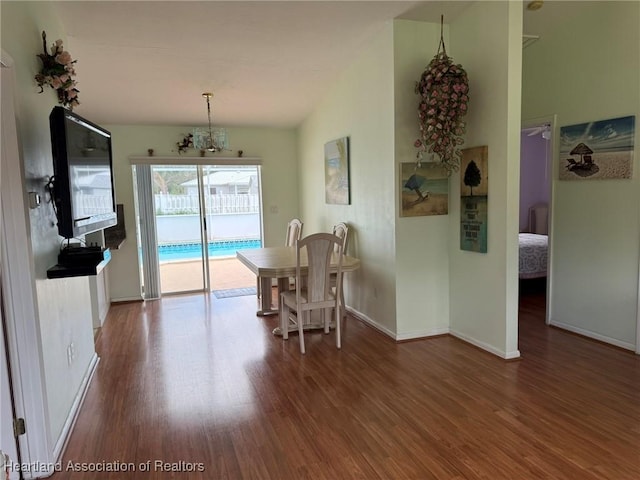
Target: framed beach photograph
(336,172)
(424,189)
(597,150)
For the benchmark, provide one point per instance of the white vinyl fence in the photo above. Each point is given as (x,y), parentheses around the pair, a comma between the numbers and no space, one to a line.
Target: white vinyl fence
(92,204)
(222,204)
(172,229)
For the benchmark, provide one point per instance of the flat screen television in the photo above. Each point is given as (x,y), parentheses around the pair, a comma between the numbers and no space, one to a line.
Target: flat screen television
(82,184)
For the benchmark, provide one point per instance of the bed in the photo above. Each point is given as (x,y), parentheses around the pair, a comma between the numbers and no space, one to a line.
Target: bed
(533,255)
(534,244)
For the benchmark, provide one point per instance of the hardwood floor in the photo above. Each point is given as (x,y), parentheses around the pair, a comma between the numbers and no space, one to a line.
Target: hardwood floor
(196,383)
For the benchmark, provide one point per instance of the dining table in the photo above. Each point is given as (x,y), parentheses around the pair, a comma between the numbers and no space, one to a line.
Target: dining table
(268,263)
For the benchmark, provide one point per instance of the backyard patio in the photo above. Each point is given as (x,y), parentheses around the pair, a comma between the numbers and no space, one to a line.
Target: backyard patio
(226,273)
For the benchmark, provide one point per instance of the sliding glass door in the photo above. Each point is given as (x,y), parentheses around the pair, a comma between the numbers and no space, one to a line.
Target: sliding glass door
(180,228)
(233,221)
(202,215)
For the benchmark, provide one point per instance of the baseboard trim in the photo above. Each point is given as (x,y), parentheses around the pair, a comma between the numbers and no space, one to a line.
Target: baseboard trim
(593,335)
(436,332)
(512,355)
(127,299)
(397,337)
(485,346)
(63,439)
(369,321)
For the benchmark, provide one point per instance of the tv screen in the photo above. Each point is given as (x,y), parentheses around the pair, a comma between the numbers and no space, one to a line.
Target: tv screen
(83,191)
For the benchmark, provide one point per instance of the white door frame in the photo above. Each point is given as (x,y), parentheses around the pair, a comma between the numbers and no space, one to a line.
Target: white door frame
(199,163)
(8,442)
(23,332)
(638,317)
(551,162)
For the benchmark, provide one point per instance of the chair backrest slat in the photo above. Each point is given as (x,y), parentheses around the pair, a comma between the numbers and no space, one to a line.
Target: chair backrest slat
(294,232)
(342,230)
(320,248)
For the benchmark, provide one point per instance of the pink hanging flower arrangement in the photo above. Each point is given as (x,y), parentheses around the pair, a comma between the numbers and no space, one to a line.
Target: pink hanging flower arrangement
(58,72)
(443,89)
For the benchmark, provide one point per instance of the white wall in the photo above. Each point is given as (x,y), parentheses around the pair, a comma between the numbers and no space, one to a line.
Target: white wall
(360,105)
(422,259)
(589,70)
(276,147)
(63,306)
(535,168)
(64,322)
(486,40)
(414,280)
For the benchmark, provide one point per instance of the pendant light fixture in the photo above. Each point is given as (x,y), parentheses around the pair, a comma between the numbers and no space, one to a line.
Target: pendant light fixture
(216,139)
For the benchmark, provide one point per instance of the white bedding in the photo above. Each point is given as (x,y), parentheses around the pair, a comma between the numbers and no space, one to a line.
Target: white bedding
(533,255)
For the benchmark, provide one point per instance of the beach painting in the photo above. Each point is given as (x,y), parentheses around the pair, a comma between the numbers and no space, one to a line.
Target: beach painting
(424,189)
(474,196)
(336,172)
(597,150)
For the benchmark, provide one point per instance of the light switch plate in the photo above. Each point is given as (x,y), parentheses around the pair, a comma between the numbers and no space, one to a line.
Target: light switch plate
(34,200)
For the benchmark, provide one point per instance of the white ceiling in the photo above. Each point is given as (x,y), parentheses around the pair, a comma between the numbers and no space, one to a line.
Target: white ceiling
(267,62)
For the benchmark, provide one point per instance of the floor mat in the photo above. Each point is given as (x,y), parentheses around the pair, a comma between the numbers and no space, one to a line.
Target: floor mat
(235,292)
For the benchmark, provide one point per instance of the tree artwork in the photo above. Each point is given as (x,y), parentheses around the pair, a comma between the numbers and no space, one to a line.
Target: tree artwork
(472,177)
(474,203)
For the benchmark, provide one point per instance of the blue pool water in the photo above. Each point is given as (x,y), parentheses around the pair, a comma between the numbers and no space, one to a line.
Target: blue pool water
(186,251)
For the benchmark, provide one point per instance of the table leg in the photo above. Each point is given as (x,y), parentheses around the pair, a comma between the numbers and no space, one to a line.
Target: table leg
(283,286)
(265,297)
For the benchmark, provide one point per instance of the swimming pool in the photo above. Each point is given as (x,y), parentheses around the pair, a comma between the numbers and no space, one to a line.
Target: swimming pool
(193,251)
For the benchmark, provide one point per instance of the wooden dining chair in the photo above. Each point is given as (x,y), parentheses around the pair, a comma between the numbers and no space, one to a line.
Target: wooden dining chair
(316,294)
(341,230)
(294,233)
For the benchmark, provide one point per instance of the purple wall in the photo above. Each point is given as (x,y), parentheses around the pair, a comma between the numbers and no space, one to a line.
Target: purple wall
(534,174)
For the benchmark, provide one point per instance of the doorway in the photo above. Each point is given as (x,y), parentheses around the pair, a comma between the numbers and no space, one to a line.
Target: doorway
(536,160)
(203,214)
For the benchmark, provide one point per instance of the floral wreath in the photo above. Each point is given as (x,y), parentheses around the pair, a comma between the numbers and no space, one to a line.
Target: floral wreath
(443,88)
(58,72)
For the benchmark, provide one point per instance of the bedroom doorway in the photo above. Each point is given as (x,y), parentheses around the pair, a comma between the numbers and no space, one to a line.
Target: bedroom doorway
(536,173)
